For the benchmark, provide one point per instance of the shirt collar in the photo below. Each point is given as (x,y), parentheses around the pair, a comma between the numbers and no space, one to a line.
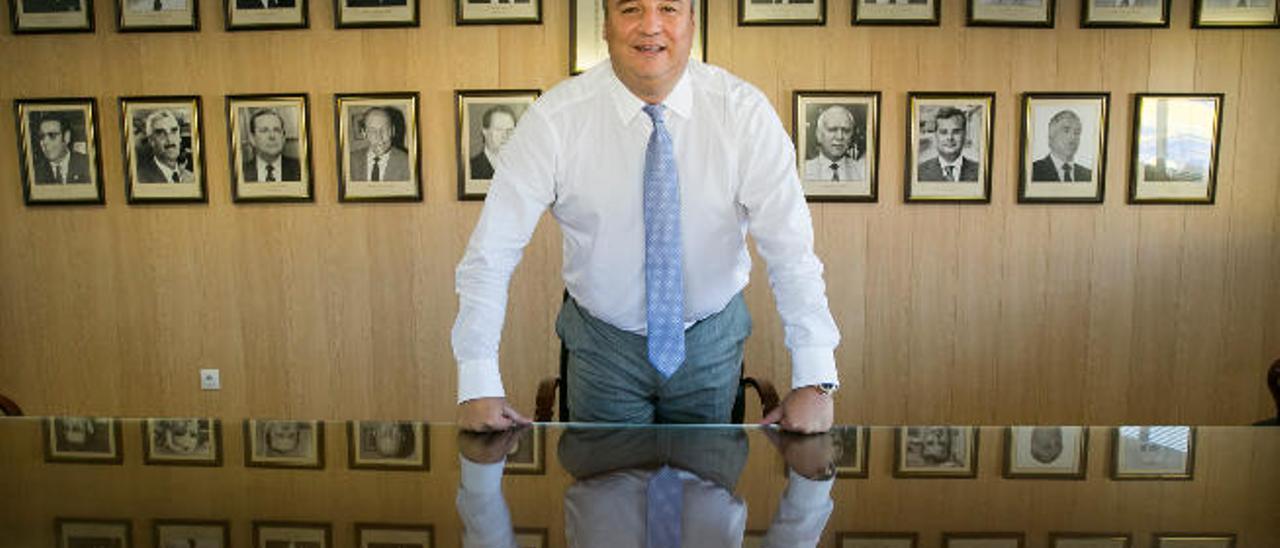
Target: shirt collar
(628,106)
(956,164)
(1058,162)
(371,154)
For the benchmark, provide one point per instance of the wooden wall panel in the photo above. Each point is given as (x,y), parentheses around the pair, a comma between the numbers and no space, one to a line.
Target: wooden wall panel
(990,313)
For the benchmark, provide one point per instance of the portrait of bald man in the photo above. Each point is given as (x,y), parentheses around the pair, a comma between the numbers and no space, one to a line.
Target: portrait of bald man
(383,156)
(841,147)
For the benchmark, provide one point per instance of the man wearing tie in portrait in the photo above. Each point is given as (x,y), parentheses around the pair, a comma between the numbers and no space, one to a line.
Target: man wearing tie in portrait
(1064,140)
(164,138)
(268,163)
(380,160)
(950,136)
(836,159)
(58,163)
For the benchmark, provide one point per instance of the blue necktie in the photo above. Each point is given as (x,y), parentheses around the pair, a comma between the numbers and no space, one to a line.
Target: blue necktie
(663,266)
(665,505)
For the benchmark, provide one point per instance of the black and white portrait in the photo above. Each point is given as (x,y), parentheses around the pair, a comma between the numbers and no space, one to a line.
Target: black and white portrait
(1153,452)
(1045,452)
(1180,540)
(586,34)
(89,533)
(493,12)
(1011,13)
(949,145)
(284,443)
(292,535)
(164,156)
(379,151)
(82,439)
(1236,14)
(388,445)
(1125,13)
(876,540)
(897,12)
(1087,540)
(784,12)
(851,450)
(191,534)
(377,13)
(193,441)
(270,145)
(486,120)
(51,16)
(837,144)
(1064,145)
(1176,148)
(394,536)
(266,14)
(936,451)
(528,454)
(59,151)
(151,15)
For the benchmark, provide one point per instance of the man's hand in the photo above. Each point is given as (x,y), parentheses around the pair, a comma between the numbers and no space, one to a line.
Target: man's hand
(488,448)
(489,415)
(805,410)
(813,457)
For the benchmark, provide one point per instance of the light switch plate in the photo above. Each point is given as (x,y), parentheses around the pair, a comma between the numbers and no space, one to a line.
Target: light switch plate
(210,380)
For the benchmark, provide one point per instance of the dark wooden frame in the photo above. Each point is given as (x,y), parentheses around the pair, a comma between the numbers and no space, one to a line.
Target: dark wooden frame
(60,523)
(934,20)
(1055,536)
(913,161)
(15,22)
(1079,474)
(899,438)
(197,136)
(414,21)
(1086,11)
(229,9)
(540,531)
(362,527)
(948,537)
(1187,476)
(341,146)
(538,434)
(250,439)
(972,21)
(840,537)
(194,26)
(421,429)
(1156,538)
(156,524)
(1197,11)
(1104,126)
(863,443)
(215,437)
(115,458)
(701,36)
(459,21)
(27,179)
(873,133)
(313,525)
(1135,145)
(233,151)
(459,96)
(820,21)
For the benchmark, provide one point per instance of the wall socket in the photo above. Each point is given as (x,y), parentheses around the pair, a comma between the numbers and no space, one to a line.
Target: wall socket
(210,379)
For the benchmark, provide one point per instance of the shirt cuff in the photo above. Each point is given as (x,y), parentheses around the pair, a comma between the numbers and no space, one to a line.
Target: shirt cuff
(481,478)
(479,379)
(801,490)
(813,365)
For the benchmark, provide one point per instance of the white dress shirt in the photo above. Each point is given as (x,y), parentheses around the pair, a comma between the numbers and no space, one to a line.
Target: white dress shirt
(579,150)
(955,166)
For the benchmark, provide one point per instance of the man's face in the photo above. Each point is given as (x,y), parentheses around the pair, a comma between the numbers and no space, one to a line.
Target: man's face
(1046,444)
(951,137)
(53,141)
(499,131)
(378,131)
(283,437)
(184,436)
(166,139)
(649,40)
(835,133)
(268,136)
(1064,137)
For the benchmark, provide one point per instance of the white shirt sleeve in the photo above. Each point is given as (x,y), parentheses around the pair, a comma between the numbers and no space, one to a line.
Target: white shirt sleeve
(485,517)
(802,515)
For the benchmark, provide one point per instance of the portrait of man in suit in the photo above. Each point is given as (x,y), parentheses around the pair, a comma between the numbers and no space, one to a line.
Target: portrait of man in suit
(383,157)
(263,4)
(496,125)
(949,138)
(166,162)
(267,161)
(839,156)
(56,162)
(1060,164)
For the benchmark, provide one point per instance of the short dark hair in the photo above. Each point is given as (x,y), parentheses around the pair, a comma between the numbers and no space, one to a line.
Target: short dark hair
(952,112)
(263,112)
(487,117)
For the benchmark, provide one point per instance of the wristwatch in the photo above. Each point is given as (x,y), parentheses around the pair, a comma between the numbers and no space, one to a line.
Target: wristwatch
(826,388)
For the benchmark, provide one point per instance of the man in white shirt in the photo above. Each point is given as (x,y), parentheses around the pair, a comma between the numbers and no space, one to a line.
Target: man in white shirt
(589,150)
(834,162)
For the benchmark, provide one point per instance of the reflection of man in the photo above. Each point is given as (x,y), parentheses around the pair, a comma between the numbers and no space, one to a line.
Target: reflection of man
(380,160)
(263,4)
(57,163)
(268,162)
(49,6)
(496,126)
(164,136)
(1046,444)
(642,160)
(1064,141)
(950,137)
(836,150)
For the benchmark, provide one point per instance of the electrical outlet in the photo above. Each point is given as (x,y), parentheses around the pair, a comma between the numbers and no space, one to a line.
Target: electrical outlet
(210,380)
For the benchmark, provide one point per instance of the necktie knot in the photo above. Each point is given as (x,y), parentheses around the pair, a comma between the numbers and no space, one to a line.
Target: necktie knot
(655,113)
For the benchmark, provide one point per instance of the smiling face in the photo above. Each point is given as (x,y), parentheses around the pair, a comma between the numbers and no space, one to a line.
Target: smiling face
(649,43)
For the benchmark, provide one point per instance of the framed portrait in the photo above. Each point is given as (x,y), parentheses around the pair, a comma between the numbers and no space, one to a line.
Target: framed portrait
(530,537)
(485,121)
(983,540)
(935,452)
(586,34)
(388,445)
(852,443)
(795,12)
(1046,452)
(927,13)
(87,440)
(529,454)
(51,16)
(383,535)
(270,148)
(266,14)
(876,540)
(1152,453)
(379,155)
(163,149)
(157,15)
(1011,13)
(58,151)
(94,533)
(173,533)
(1064,148)
(837,138)
(182,441)
(1235,14)
(364,14)
(1124,13)
(1089,540)
(497,12)
(292,534)
(1174,158)
(1193,540)
(949,147)
(284,443)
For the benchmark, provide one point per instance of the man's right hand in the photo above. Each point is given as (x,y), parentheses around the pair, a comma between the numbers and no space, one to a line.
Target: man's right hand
(488,415)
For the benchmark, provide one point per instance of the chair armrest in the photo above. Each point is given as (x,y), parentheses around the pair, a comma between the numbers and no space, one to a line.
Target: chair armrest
(9,408)
(768,395)
(546,400)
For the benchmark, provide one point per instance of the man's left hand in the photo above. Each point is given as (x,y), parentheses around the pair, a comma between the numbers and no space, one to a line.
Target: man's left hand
(805,410)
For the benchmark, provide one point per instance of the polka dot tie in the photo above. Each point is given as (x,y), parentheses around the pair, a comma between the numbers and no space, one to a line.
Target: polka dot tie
(663,265)
(664,508)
